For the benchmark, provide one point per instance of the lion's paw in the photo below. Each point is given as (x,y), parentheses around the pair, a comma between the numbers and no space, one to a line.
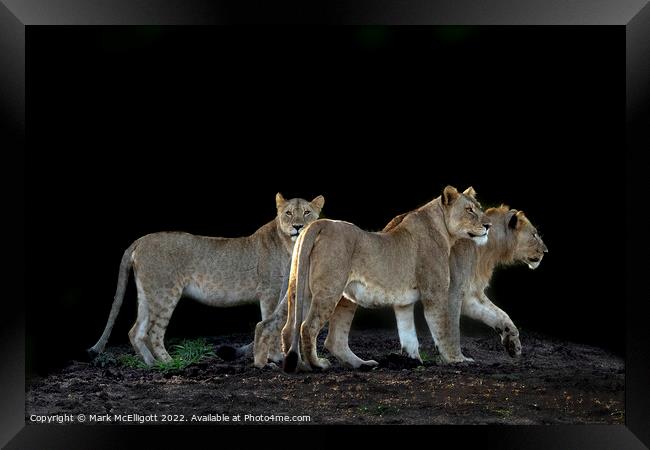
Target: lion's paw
(323,364)
(459,359)
(276,357)
(368,365)
(303,366)
(412,352)
(512,344)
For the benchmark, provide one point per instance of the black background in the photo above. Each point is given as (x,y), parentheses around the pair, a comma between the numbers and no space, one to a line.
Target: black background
(136,130)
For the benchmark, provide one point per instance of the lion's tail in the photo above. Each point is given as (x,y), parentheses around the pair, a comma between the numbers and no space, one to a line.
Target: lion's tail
(122,280)
(302,254)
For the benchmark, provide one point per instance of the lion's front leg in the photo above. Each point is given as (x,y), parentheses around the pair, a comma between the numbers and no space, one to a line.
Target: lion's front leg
(479,307)
(456,294)
(267,336)
(438,316)
(408,337)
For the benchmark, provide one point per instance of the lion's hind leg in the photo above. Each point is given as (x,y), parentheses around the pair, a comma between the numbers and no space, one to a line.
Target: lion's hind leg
(164,309)
(155,307)
(338,335)
(138,334)
(322,306)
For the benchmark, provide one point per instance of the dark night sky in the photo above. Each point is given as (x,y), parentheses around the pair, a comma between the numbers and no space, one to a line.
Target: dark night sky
(139,130)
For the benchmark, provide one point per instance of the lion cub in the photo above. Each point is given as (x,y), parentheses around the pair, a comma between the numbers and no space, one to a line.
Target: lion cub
(212,270)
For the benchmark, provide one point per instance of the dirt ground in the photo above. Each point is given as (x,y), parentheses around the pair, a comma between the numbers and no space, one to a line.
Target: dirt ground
(554,382)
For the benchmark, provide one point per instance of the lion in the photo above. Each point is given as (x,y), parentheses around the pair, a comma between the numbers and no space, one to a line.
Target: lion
(399,267)
(512,239)
(215,271)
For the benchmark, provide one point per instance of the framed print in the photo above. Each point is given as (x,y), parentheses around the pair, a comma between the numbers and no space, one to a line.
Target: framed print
(366,218)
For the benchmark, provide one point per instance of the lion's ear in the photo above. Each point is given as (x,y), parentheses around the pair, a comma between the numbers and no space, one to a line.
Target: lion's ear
(318,202)
(470,192)
(514,220)
(279,200)
(449,195)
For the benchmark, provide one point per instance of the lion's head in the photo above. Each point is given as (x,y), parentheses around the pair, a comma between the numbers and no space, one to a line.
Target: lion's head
(295,214)
(465,217)
(529,247)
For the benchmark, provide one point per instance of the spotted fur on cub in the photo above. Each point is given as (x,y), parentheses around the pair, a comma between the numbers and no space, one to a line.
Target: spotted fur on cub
(212,270)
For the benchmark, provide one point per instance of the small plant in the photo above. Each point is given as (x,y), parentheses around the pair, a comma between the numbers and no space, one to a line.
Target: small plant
(425,356)
(186,353)
(104,360)
(132,361)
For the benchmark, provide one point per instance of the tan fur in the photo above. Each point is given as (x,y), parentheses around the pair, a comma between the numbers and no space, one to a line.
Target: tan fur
(398,267)
(512,239)
(213,270)
(267,330)
(471,268)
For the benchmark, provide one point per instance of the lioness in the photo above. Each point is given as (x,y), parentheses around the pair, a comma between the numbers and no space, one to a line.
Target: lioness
(398,267)
(512,239)
(213,270)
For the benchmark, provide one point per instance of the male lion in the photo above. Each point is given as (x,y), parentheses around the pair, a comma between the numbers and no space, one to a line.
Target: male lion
(398,267)
(213,270)
(512,239)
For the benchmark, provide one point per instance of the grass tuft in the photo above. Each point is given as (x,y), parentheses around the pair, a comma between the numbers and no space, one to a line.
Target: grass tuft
(104,360)
(425,356)
(186,353)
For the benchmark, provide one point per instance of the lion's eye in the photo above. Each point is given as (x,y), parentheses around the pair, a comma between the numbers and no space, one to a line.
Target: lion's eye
(289,213)
(307,213)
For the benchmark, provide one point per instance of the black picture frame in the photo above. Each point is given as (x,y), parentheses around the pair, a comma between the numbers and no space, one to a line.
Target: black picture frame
(17,15)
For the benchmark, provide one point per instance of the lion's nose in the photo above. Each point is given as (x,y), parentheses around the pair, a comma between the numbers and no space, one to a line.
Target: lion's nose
(298,227)
(487,225)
